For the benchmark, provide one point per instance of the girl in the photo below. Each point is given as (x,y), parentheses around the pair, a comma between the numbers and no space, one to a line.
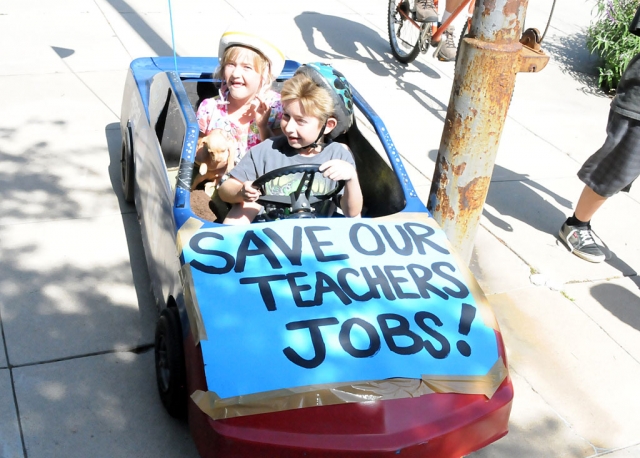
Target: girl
(247,109)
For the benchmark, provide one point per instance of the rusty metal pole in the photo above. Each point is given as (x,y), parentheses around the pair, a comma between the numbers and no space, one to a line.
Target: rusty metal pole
(490,57)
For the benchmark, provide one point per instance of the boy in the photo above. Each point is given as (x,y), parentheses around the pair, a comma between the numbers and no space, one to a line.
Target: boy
(614,167)
(311,112)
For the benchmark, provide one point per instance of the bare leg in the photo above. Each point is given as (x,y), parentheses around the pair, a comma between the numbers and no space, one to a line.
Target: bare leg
(588,204)
(451,5)
(448,53)
(243,213)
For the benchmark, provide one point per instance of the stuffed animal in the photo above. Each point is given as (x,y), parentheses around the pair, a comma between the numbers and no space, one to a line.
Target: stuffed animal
(215,157)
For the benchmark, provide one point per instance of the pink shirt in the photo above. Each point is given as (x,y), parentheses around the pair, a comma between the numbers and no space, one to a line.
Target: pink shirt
(212,114)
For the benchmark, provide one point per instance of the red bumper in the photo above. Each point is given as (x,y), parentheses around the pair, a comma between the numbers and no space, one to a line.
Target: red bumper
(434,425)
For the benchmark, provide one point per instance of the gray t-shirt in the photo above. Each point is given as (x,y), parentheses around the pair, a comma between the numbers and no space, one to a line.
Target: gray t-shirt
(627,99)
(275,153)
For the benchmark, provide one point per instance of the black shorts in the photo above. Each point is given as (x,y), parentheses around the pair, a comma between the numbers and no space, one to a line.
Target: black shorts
(615,166)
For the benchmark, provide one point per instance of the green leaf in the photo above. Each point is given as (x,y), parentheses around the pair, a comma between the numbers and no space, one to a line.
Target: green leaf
(611,40)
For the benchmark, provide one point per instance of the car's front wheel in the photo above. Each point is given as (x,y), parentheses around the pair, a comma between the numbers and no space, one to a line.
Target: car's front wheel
(170,365)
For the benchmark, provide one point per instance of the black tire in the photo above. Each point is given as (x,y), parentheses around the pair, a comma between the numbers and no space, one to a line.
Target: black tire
(404,37)
(170,365)
(465,27)
(127,172)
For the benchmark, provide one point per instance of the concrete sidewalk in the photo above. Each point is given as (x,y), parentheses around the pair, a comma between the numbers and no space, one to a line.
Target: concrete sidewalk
(76,314)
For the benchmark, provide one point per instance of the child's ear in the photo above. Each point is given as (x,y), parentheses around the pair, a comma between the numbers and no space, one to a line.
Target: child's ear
(331,124)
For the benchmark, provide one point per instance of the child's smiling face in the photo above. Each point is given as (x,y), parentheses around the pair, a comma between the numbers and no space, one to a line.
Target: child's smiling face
(300,128)
(243,79)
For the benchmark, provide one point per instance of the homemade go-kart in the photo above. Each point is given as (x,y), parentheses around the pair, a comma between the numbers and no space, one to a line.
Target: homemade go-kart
(324,337)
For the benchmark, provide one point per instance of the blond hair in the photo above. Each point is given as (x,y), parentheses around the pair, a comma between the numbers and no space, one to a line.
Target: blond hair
(316,101)
(238,53)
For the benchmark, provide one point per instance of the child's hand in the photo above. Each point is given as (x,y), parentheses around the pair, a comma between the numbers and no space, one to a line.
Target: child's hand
(351,200)
(262,110)
(337,169)
(248,192)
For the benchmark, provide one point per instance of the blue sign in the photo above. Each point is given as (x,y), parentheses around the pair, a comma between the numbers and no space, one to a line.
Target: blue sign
(307,302)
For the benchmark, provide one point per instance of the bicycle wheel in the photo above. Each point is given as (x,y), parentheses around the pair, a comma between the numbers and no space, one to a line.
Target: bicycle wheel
(404,36)
(465,27)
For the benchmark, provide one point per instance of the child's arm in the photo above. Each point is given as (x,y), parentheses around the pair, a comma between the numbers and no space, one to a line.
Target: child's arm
(234,191)
(351,200)
(243,196)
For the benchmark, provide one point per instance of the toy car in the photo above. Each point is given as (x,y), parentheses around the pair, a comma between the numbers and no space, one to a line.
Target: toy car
(307,336)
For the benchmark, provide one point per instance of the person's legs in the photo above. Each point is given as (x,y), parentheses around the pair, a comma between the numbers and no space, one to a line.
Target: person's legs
(588,204)
(576,231)
(448,49)
(611,169)
(450,7)
(242,213)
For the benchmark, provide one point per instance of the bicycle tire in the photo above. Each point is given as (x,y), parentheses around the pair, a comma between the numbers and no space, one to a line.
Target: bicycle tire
(404,37)
(462,34)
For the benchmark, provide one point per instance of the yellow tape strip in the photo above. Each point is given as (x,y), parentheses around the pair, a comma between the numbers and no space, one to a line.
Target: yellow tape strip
(487,384)
(340,393)
(191,303)
(190,227)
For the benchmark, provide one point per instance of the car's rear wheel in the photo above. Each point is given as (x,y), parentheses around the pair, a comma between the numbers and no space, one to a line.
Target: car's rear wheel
(127,173)
(170,365)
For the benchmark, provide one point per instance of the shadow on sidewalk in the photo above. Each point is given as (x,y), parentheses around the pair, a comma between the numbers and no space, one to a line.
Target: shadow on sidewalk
(574,59)
(516,443)
(138,263)
(614,261)
(529,207)
(351,40)
(622,303)
(141,27)
(42,188)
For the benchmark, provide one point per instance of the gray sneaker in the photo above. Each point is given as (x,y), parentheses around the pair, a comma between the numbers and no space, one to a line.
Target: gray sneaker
(580,241)
(426,11)
(447,52)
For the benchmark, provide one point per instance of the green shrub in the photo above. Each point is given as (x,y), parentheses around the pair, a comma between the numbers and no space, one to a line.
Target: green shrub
(609,37)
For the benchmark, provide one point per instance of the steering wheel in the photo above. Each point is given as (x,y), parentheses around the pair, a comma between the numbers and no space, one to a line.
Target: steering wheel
(300,202)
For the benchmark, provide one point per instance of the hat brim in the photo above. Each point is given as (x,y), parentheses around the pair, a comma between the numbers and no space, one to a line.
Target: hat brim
(264,47)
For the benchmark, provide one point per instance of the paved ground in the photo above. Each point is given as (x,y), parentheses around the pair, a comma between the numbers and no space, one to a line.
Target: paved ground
(77,318)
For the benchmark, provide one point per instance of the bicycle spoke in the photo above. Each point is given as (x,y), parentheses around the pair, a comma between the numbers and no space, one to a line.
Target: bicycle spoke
(404,32)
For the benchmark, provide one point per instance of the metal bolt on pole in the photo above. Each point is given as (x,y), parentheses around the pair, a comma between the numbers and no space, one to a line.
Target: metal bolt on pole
(489,58)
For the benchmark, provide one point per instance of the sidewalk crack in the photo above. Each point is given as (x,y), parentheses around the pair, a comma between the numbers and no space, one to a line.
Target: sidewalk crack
(13,387)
